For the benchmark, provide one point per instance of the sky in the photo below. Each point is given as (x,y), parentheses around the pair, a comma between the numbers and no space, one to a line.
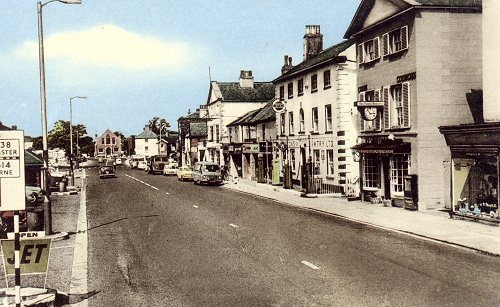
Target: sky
(139,59)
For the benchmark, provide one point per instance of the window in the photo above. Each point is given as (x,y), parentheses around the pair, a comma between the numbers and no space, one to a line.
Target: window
(282,92)
(282,123)
(211,136)
(113,140)
(217,133)
(395,41)
(371,125)
(108,139)
(328,118)
(397,106)
(316,161)
(370,172)
(326,79)
(292,158)
(290,90)
(330,163)
(315,126)
(369,51)
(302,123)
(146,148)
(300,87)
(314,83)
(145,140)
(290,123)
(102,141)
(399,168)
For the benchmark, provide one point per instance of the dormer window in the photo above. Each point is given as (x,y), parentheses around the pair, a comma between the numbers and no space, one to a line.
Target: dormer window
(395,41)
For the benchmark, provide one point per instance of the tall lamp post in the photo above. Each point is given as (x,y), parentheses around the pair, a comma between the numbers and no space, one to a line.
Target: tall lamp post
(41,63)
(72,171)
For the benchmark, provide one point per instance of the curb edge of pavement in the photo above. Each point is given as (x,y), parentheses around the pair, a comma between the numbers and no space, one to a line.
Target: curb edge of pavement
(371,224)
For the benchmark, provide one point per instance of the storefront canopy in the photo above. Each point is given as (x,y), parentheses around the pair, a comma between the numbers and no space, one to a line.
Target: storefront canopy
(390,148)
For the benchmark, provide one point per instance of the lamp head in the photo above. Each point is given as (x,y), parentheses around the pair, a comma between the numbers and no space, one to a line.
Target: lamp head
(71,1)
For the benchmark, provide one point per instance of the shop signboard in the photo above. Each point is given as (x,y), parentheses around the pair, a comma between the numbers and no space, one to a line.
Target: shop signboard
(33,253)
(250,148)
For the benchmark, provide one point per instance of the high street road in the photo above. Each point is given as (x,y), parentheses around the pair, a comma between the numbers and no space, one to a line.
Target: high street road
(155,241)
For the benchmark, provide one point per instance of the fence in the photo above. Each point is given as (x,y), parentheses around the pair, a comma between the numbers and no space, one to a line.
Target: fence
(319,187)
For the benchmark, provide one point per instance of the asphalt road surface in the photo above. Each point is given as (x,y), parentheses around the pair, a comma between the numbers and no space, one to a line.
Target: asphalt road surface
(155,241)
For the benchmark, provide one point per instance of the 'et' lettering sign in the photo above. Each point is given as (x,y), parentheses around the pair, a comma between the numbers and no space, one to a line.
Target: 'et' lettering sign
(33,256)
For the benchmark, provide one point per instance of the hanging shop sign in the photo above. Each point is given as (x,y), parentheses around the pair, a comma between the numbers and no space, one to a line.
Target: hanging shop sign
(279,106)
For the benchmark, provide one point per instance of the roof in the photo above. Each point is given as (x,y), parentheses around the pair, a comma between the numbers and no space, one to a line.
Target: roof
(366,6)
(233,92)
(198,130)
(327,56)
(147,134)
(192,115)
(261,115)
(3,127)
(32,159)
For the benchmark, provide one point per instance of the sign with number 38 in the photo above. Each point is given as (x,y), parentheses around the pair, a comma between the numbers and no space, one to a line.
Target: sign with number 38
(12,190)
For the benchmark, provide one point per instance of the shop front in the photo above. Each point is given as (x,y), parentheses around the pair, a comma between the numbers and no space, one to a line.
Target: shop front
(250,156)
(475,170)
(233,156)
(384,165)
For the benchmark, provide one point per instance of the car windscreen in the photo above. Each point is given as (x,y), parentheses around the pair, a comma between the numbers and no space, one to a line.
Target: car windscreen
(160,159)
(211,168)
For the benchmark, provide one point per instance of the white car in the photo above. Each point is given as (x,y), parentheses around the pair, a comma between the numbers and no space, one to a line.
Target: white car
(118,161)
(170,169)
(142,165)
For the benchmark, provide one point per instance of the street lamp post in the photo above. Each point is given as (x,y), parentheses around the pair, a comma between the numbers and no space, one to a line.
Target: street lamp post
(71,170)
(41,63)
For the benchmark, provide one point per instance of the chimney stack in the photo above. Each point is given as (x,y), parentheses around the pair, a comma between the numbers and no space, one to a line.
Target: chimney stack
(203,111)
(14,127)
(313,41)
(287,65)
(246,79)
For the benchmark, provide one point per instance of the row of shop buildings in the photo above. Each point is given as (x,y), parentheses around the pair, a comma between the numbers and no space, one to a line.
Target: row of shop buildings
(405,109)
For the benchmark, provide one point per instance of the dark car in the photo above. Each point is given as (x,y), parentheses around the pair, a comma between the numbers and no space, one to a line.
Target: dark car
(107,171)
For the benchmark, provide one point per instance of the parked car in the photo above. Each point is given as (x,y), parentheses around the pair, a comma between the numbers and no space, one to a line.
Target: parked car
(207,172)
(107,171)
(100,159)
(141,164)
(170,169)
(118,161)
(157,163)
(185,173)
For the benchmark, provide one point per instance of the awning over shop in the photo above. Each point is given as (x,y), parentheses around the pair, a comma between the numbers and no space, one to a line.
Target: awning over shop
(391,148)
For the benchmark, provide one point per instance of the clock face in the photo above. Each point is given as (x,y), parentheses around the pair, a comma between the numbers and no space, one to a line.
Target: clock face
(370,113)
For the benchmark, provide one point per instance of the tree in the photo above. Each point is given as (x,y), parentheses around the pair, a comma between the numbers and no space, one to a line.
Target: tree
(124,141)
(59,137)
(159,124)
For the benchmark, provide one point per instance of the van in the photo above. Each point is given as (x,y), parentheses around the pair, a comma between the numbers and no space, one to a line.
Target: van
(207,172)
(156,164)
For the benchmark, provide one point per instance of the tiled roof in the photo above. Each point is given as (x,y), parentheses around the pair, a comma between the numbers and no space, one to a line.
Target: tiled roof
(32,159)
(192,115)
(198,130)
(233,92)
(147,134)
(329,55)
(244,118)
(463,3)
(265,114)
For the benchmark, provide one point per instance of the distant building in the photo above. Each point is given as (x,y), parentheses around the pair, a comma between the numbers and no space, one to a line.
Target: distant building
(146,143)
(108,145)
(192,134)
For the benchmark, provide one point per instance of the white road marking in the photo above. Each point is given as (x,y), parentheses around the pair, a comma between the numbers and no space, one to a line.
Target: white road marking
(145,183)
(195,206)
(233,225)
(167,193)
(312,266)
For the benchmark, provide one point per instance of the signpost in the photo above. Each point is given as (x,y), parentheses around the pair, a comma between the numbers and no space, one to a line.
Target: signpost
(12,195)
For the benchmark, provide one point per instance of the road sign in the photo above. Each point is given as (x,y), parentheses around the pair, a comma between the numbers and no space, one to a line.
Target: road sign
(278,106)
(33,253)
(12,190)
(282,146)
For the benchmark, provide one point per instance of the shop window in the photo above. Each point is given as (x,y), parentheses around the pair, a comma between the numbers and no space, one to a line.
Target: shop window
(326,79)
(329,156)
(315,120)
(397,106)
(400,165)
(302,123)
(282,123)
(290,123)
(292,158)
(316,161)
(371,172)
(475,184)
(395,41)
(290,90)
(369,51)
(314,83)
(328,118)
(300,87)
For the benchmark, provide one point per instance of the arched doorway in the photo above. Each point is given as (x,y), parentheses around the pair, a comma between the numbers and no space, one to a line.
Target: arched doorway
(108,152)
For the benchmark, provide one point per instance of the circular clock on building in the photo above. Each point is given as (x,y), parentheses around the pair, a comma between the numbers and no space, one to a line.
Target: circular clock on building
(370,113)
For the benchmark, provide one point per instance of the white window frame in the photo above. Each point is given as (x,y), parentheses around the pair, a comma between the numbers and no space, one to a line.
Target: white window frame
(290,123)
(395,41)
(315,119)
(300,87)
(328,118)
(397,106)
(330,156)
(327,79)
(399,167)
(371,172)
(316,162)
(292,158)
(302,122)
(282,123)
(314,83)
(369,51)
(289,89)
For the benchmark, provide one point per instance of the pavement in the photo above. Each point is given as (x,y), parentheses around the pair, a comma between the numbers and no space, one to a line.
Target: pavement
(435,225)
(67,272)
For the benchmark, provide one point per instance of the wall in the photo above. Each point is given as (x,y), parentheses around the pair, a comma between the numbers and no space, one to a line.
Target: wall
(449,65)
